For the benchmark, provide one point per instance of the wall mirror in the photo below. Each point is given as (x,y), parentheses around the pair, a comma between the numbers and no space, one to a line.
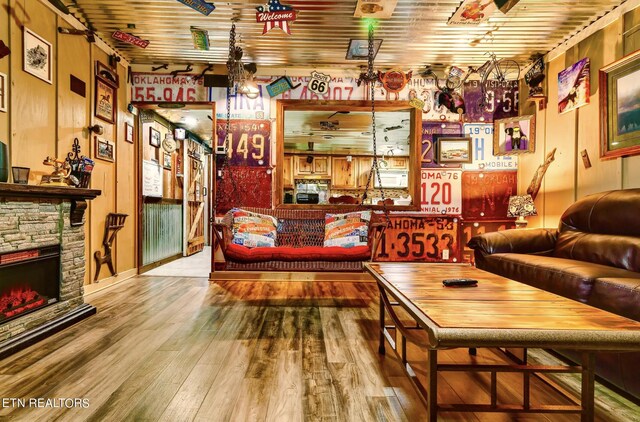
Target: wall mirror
(324,152)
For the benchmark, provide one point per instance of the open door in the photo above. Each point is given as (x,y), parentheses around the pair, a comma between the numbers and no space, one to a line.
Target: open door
(195,197)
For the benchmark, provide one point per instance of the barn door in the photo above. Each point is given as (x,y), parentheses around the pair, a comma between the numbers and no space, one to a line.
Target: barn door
(195,214)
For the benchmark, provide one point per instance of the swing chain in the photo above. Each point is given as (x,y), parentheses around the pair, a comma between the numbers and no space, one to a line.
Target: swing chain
(371,78)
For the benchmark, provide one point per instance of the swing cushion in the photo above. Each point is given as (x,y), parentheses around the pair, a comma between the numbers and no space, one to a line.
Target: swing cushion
(347,230)
(240,253)
(252,230)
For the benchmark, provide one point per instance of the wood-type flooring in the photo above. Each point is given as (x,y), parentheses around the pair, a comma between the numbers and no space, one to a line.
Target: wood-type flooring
(187,349)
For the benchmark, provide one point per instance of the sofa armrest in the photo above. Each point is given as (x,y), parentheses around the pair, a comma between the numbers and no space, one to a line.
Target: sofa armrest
(528,241)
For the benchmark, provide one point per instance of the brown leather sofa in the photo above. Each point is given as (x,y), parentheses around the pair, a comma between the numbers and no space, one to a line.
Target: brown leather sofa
(593,257)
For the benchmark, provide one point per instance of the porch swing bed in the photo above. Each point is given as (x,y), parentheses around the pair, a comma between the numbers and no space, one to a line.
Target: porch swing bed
(299,243)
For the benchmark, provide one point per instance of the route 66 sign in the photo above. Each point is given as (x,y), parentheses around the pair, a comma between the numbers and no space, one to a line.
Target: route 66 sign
(319,83)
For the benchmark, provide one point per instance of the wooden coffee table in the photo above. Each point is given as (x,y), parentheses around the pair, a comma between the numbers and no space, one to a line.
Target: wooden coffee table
(499,313)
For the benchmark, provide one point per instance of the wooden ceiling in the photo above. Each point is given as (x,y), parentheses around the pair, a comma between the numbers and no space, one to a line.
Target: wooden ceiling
(416,34)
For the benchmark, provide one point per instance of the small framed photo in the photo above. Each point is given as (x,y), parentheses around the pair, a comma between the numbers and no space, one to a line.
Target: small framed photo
(105,101)
(128,133)
(167,161)
(154,137)
(620,107)
(515,135)
(37,55)
(4,92)
(107,74)
(454,150)
(105,150)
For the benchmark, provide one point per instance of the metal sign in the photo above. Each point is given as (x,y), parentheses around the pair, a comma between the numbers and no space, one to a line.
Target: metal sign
(319,83)
(250,142)
(275,15)
(502,100)
(130,39)
(200,39)
(420,238)
(441,192)
(280,86)
(483,158)
(153,87)
(199,6)
(485,195)
(473,12)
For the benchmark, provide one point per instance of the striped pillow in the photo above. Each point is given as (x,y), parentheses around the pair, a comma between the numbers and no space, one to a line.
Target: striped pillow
(347,230)
(252,230)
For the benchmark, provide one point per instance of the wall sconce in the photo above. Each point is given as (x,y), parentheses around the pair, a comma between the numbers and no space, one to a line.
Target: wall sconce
(91,36)
(97,129)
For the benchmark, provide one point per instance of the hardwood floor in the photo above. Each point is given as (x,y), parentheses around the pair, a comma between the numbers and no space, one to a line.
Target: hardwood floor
(183,349)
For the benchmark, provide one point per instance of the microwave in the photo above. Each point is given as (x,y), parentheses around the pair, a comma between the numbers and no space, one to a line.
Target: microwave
(392,179)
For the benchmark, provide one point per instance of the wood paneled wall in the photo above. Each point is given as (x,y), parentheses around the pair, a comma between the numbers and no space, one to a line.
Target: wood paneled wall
(43,119)
(567,179)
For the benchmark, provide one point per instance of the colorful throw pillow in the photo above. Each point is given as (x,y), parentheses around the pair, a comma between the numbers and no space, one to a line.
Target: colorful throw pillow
(253,230)
(347,230)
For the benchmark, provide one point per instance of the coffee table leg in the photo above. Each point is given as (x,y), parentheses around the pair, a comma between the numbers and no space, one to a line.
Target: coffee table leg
(432,386)
(381,349)
(588,381)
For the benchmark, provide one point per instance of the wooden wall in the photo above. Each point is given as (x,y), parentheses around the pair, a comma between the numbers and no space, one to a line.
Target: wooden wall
(44,119)
(567,178)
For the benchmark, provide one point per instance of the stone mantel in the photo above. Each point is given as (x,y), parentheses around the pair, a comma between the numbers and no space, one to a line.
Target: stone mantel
(77,196)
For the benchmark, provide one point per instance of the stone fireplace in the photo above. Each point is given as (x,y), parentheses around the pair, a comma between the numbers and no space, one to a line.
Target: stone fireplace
(42,262)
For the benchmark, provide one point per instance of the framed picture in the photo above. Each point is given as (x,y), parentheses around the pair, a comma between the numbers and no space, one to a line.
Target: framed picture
(105,150)
(573,86)
(128,133)
(620,107)
(154,137)
(107,74)
(515,135)
(105,101)
(4,92)
(167,161)
(36,55)
(454,150)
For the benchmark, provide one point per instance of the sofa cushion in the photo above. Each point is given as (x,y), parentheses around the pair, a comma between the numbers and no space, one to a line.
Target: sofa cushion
(606,249)
(347,230)
(565,277)
(309,253)
(618,295)
(252,229)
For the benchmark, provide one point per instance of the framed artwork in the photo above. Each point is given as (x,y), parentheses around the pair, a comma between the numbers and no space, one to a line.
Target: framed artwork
(167,161)
(128,133)
(4,92)
(454,150)
(515,135)
(573,86)
(105,101)
(105,150)
(620,107)
(154,137)
(107,74)
(36,55)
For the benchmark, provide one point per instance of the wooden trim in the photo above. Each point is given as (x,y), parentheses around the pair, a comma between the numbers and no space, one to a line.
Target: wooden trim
(92,288)
(257,276)
(37,191)
(143,269)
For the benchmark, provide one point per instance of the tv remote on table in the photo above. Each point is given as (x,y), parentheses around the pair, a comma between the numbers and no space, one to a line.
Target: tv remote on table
(460,282)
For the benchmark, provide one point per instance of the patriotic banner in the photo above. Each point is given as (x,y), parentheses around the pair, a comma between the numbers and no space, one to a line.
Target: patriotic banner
(275,15)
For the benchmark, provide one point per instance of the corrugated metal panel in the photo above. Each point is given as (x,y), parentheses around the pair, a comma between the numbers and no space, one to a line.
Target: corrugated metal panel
(416,34)
(162,231)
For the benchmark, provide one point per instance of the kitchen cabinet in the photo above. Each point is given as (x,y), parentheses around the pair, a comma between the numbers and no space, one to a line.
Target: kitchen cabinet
(398,163)
(287,171)
(344,173)
(364,167)
(320,166)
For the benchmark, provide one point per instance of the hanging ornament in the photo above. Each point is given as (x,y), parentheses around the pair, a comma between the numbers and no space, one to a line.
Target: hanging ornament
(394,81)
(130,39)
(319,83)
(169,144)
(275,15)
(200,6)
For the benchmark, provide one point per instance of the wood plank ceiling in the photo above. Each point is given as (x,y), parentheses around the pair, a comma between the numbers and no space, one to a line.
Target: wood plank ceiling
(415,35)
